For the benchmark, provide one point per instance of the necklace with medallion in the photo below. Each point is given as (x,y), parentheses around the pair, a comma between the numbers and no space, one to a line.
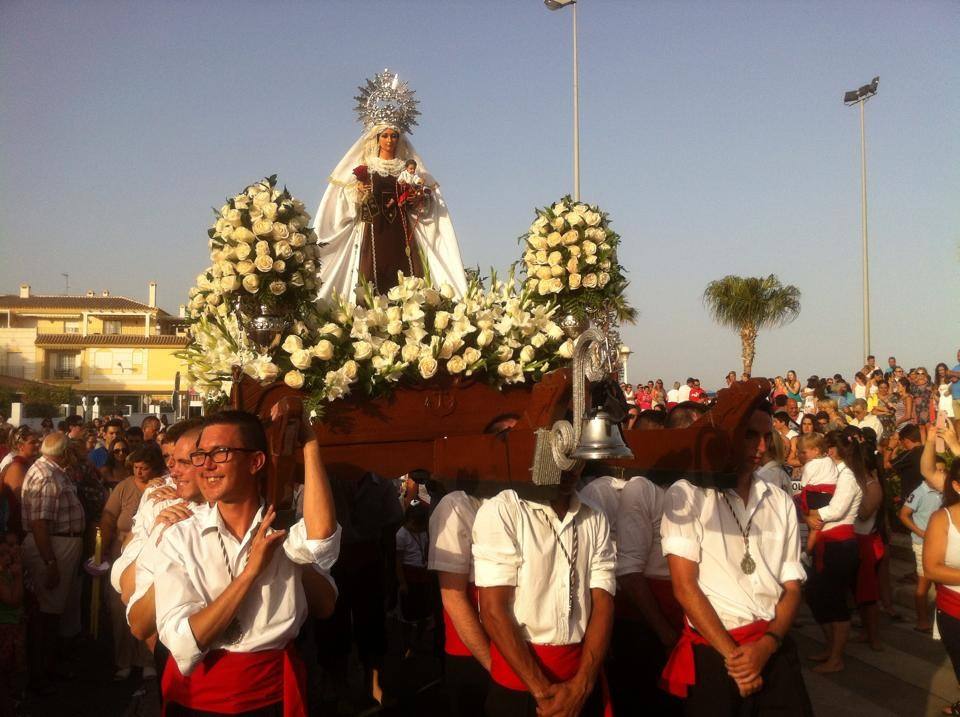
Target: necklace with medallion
(233,632)
(747,565)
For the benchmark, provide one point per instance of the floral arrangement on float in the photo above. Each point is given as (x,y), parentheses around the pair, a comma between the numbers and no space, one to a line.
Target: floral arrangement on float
(265,319)
(570,257)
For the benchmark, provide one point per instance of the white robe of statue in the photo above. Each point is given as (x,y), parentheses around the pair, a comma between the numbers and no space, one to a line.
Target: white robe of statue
(341,234)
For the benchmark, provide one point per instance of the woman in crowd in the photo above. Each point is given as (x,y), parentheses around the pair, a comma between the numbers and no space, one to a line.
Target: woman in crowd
(870,533)
(808,424)
(793,387)
(26,447)
(943,385)
(923,401)
(116,524)
(836,558)
(779,388)
(885,408)
(115,470)
(659,394)
(941,563)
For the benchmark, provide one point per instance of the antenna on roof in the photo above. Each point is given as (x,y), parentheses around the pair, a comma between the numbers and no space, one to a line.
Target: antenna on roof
(66,279)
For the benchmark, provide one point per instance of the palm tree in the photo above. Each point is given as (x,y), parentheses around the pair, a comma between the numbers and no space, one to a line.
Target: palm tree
(748,304)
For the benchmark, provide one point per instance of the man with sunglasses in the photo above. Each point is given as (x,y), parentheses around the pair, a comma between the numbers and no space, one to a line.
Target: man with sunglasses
(231,603)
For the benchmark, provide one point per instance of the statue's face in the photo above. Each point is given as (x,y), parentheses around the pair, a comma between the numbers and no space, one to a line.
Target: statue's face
(388,140)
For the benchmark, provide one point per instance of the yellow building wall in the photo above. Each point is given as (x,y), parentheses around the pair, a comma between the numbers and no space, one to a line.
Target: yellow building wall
(49,326)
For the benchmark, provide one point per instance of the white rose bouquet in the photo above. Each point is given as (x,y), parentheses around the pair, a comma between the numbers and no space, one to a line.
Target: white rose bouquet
(261,251)
(570,257)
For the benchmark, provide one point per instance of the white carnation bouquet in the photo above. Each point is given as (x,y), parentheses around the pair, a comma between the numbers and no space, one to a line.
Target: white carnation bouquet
(261,250)
(570,257)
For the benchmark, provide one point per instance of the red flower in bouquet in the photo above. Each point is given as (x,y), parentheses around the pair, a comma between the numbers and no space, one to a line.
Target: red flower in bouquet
(362,174)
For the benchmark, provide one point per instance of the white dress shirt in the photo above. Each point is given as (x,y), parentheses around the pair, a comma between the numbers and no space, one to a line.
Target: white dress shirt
(698,525)
(845,503)
(143,523)
(191,573)
(638,528)
(819,471)
(515,543)
(604,494)
(451,534)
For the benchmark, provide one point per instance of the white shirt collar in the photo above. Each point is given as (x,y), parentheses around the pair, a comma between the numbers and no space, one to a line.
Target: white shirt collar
(568,517)
(212,520)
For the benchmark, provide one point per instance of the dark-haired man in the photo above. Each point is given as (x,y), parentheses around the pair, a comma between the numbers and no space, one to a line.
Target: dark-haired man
(150,426)
(112,430)
(232,603)
(734,557)
(545,571)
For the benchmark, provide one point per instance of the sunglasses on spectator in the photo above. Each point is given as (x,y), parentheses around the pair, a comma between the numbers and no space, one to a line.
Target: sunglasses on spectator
(120,450)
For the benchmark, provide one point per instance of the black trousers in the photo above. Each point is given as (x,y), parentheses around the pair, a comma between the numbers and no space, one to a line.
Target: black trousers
(467,683)
(637,658)
(504,702)
(827,589)
(715,694)
(950,634)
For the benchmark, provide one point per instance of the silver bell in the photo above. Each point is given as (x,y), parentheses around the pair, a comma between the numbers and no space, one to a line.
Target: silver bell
(600,439)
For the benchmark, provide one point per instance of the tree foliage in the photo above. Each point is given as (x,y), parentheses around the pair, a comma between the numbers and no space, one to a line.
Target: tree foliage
(748,304)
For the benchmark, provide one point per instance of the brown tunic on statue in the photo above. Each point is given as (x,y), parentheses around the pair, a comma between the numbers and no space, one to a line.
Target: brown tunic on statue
(388,242)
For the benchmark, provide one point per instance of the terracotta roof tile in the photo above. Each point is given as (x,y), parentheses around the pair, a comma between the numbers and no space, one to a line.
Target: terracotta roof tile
(76,303)
(109,340)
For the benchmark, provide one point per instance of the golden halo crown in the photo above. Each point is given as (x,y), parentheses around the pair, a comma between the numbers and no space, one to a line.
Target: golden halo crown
(386,100)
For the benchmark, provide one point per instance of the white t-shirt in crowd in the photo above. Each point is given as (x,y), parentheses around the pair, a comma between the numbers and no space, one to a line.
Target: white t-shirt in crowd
(451,533)
(699,526)
(515,544)
(638,527)
(673,395)
(413,548)
(603,493)
(869,421)
(683,394)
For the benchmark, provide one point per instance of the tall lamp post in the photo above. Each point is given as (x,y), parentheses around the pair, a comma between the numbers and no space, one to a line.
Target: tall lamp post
(860,97)
(559,5)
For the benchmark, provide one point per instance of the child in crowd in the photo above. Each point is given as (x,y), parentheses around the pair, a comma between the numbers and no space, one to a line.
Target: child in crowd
(924,501)
(818,482)
(413,544)
(12,625)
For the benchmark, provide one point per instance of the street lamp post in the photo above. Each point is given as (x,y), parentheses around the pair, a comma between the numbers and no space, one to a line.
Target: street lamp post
(860,97)
(558,5)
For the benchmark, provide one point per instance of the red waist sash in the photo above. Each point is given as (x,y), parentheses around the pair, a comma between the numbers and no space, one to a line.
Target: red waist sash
(453,645)
(826,489)
(834,535)
(237,682)
(948,601)
(680,672)
(559,663)
(871,553)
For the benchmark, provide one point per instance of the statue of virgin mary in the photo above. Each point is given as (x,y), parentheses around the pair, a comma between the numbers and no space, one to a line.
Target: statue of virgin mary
(370,223)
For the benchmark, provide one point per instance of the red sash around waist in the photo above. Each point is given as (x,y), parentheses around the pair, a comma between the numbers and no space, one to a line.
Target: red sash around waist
(948,601)
(559,663)
(680,672)
(835,535)
(826,489)
(453,645)
(237,682)
(871,553)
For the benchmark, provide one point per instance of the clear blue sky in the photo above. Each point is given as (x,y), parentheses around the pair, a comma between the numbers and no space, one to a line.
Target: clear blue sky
(713,133)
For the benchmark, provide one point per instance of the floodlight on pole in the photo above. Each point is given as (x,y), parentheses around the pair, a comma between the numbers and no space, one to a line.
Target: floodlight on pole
(559,5)
(859,97)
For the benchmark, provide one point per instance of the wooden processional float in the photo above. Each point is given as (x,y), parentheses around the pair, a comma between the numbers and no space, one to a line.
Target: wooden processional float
(444,426)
